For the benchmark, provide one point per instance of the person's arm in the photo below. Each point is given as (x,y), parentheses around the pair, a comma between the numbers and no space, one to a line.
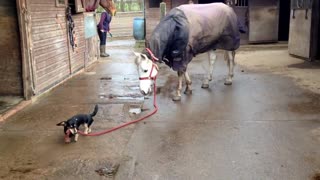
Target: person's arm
(107,21)
(102,20)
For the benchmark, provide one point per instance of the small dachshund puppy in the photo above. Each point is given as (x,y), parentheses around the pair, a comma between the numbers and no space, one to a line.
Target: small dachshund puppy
(71,126)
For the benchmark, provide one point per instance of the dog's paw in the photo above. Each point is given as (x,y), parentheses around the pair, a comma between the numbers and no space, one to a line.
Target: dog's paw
(67,140)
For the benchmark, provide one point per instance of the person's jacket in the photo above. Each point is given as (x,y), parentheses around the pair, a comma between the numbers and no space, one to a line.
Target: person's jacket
(104,24)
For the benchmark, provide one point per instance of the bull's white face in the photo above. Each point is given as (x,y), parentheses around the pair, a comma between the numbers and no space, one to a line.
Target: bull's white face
(147,71)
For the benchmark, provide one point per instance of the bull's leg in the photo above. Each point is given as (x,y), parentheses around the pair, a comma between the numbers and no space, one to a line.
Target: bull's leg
(188,82)
(230,59)
(177,96)
(211,60)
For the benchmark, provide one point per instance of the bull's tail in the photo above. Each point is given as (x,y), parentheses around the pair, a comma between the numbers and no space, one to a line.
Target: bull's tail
(94,111)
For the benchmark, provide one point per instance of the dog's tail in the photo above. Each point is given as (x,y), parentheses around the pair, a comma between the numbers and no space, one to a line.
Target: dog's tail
(94,111)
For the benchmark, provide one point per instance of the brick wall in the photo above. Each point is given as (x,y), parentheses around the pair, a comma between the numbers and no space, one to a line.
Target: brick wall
(10,59)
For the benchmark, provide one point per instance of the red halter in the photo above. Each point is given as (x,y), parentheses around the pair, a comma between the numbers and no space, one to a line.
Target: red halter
(153,66)
(150,75)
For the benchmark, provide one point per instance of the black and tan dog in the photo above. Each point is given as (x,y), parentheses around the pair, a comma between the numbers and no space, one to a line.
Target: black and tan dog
(71,126)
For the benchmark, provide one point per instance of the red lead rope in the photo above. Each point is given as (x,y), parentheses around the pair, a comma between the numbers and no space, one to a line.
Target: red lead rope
(133,121)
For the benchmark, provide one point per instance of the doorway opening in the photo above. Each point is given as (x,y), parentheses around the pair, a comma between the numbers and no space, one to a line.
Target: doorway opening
(284,20)
(318,34)
(11,88)
(209,1)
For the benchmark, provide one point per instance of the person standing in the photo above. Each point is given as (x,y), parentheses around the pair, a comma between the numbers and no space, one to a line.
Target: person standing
(103,28)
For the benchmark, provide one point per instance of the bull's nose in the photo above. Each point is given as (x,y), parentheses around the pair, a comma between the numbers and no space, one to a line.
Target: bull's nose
(143,92)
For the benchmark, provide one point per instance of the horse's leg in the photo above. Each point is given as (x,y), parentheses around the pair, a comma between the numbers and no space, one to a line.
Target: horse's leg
(177,96)
(211,59)
(188,82)
(230,59)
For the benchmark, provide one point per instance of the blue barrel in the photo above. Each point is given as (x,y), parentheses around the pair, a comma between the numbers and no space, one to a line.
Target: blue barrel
(138,28)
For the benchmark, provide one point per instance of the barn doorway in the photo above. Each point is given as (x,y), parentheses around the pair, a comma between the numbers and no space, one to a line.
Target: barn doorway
(318,34)
(284,20)
(11,86)
(209,1)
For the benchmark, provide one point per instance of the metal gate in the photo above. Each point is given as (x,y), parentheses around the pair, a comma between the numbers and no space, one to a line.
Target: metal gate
(241,9)
(304,28)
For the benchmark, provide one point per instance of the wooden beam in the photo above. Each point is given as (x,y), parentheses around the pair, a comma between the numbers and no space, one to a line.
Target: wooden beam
(26,73)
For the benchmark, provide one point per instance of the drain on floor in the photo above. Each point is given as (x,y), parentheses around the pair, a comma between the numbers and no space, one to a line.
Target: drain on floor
(106,78)
(109,170)
(135,109)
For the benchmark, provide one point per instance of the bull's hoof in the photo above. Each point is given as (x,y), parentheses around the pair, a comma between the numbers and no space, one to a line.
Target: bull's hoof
(228,83)
(205,86)
(176,98)
(188,92)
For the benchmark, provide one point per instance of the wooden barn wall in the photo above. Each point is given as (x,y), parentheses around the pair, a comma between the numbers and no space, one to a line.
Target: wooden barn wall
(49,40)
(78,54)
(10,60)
(92,50)
(153,16)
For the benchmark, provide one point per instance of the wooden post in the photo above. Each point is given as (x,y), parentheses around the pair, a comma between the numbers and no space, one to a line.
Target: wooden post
(25,54)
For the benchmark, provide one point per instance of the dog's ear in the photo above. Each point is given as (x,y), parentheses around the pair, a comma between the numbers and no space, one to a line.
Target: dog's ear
(62,123)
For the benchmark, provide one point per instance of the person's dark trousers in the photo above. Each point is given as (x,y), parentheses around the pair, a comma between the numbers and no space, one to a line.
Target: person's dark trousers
(103,39)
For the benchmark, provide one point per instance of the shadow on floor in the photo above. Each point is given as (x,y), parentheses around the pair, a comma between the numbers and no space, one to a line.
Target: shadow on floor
(7,102)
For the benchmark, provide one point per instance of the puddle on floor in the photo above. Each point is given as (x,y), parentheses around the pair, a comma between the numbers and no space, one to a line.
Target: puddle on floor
(135,109)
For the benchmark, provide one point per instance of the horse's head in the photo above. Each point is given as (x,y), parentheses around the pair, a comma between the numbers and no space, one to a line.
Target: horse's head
(147,70)
(109,6)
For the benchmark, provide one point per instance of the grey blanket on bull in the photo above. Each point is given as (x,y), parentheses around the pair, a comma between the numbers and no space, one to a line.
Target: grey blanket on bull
(188,30)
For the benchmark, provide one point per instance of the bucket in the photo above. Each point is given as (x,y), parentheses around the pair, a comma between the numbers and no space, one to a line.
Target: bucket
(138,28)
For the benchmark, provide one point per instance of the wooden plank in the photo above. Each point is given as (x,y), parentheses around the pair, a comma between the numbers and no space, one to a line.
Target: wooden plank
(51,83)
(52,67)
(47,35)
(43,15)
(52,2)
(44,8)
(43,22)
(47,42)
(40,51)
(54,76)
(78,57)
(48,28)
(43,64)
(51,54)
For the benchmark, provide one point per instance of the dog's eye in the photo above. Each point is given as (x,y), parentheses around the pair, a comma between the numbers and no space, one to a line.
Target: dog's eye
(145,71)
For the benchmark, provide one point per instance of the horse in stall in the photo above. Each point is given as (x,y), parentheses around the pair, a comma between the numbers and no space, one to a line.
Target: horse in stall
(108,5)
(183,33)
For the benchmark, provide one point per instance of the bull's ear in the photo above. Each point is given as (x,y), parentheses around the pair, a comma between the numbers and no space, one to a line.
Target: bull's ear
(137,54)
(62,123)
(144,57)
(138,58)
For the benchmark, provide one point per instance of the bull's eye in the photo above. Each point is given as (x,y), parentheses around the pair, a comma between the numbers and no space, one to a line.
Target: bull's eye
(145,71)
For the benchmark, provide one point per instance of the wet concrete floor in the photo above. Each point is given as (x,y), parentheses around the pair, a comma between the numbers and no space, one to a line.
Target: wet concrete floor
(261,127)
(7,102)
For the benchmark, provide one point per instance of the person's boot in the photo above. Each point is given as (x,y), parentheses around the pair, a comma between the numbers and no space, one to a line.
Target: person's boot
(103,51)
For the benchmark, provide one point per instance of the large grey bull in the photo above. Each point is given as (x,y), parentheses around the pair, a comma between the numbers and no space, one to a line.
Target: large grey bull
(183,33)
